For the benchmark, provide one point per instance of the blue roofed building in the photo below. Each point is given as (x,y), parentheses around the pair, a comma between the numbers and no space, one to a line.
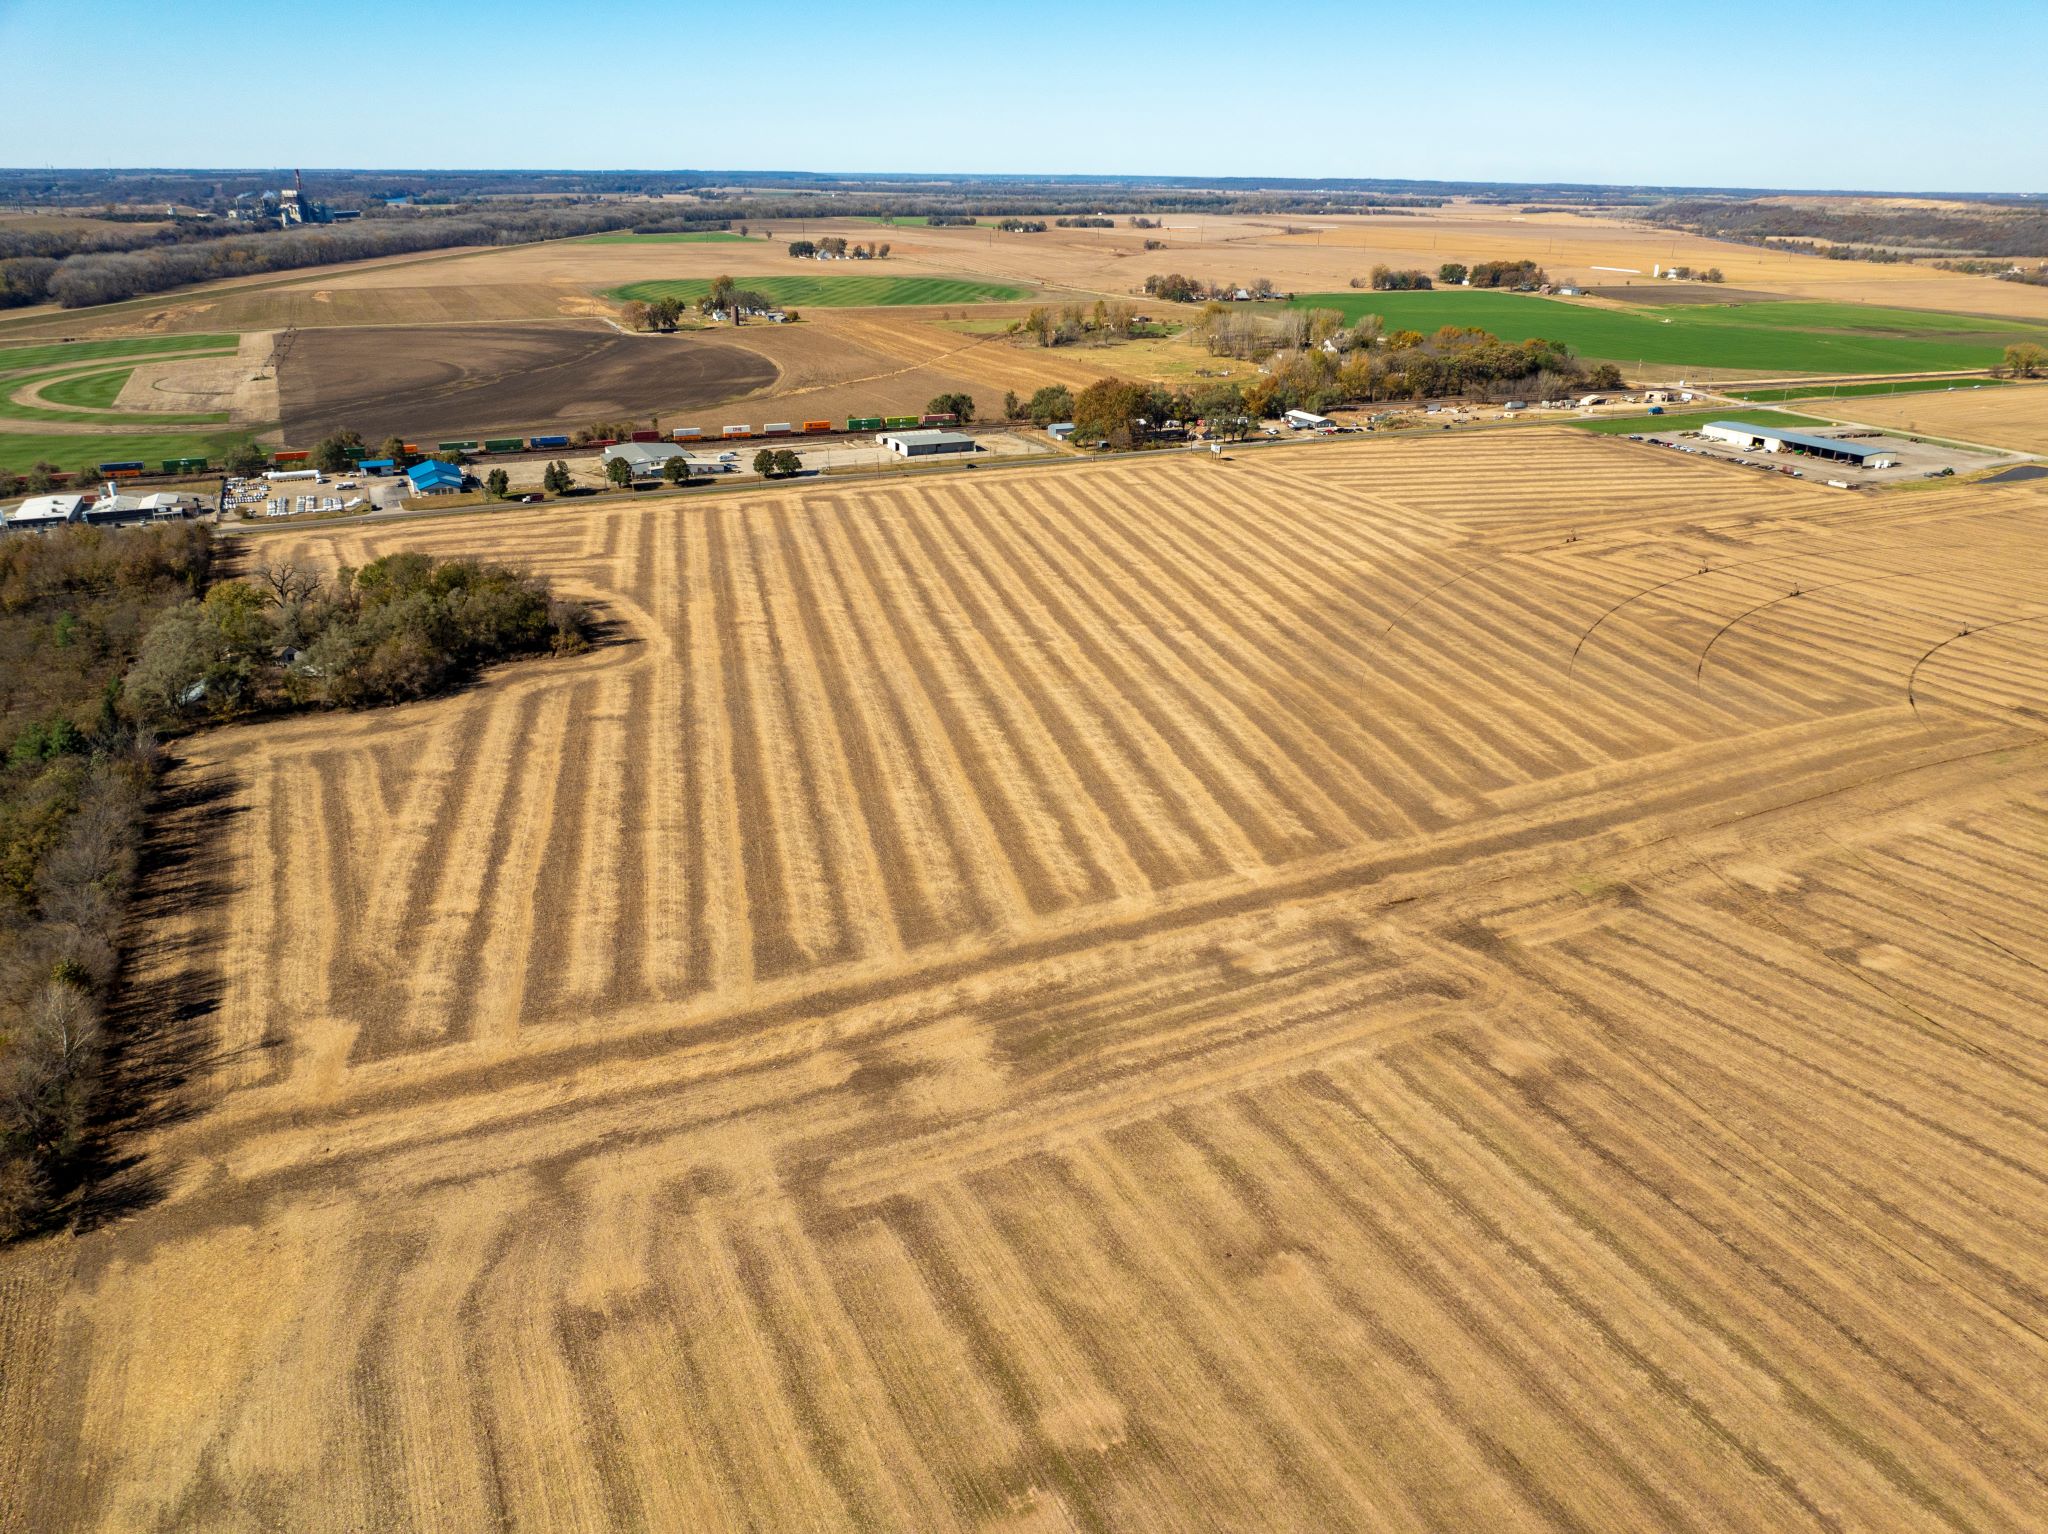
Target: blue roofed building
(432,478)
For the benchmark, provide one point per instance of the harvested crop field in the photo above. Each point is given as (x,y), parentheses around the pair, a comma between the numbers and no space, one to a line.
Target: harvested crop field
(1493,983)
(457,379)
(836,292)
(2015,416)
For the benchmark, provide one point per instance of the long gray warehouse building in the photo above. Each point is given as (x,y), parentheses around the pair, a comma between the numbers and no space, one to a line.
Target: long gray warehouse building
(1774,440)
(923,444)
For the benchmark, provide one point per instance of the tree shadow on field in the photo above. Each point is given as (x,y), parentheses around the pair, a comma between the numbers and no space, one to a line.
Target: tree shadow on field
(160,1019)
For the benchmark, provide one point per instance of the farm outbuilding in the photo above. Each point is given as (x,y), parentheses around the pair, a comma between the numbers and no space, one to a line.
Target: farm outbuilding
(645,459)
(1308,420)
(925,444)
(1771,439)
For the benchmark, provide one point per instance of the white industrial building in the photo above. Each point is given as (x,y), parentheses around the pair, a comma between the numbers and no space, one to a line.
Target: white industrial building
(1308,420)
(47,511)
(645,459)
(1771,439)
(925,444)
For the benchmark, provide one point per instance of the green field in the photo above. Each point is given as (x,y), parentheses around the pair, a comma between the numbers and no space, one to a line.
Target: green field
(1849,391)
(17,359)
(835,292)
(1620,426)
(12,409)
(1774,337)
(20,450)
(150,438)
(94,391)
(681,237)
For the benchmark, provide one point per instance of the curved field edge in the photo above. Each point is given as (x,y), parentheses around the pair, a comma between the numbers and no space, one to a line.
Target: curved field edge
(96,390)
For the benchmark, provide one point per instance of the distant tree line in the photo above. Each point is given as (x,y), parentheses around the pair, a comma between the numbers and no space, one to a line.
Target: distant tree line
(1175,288)
(1385,279)
(1313,362)
(2017,230)
(88,278)
(1086,221)
(1021,225)
(835,245)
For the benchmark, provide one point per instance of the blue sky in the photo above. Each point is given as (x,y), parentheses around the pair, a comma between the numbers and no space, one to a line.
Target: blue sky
(1801,93)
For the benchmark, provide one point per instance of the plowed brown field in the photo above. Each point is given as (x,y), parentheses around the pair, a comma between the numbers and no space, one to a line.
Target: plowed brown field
(1491,984)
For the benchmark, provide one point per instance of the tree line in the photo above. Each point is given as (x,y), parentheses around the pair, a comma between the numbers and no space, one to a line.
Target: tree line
(1175,288)
(1993,230)
(835,245)
(88,278)
(1106,320)
(108,639)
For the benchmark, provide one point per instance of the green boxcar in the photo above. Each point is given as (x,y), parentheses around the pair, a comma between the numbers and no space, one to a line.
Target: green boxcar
(504,444)
(900,420)
(863,423)
(454,447)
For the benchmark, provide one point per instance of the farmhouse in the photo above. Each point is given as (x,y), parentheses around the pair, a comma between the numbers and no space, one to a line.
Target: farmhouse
(1773,440)
(434,478)
(925,444)
(644,459)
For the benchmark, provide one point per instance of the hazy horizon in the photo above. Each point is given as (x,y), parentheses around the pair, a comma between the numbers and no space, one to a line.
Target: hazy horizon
(1832,96)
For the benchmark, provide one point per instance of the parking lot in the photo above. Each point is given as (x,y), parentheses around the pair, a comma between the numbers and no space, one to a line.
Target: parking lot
(1916,459)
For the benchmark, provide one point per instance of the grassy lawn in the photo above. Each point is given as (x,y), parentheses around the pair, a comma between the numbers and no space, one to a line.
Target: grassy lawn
(900,220)
(13,410)
(20,450)
(835,292)
(680,237)
(1848,391)
(18,359)
(1764,337)
(95,391)
(1621,426)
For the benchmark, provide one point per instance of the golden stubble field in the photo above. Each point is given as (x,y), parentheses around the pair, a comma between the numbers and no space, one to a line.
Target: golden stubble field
(1485,984)
(2014,416)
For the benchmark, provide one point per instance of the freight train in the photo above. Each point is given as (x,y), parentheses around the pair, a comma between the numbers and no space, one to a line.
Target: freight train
(358,457)
(557,442)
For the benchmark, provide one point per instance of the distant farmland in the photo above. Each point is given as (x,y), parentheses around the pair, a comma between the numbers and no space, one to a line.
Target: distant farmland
(1770,337)
(1858,390)
(678,237)
(836,292)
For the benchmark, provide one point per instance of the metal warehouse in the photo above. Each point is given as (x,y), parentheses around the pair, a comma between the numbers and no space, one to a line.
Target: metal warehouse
(1772,440)
(644,459)
(924,444)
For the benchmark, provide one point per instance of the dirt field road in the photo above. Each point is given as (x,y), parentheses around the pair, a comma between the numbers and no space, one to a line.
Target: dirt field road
(1486,984)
